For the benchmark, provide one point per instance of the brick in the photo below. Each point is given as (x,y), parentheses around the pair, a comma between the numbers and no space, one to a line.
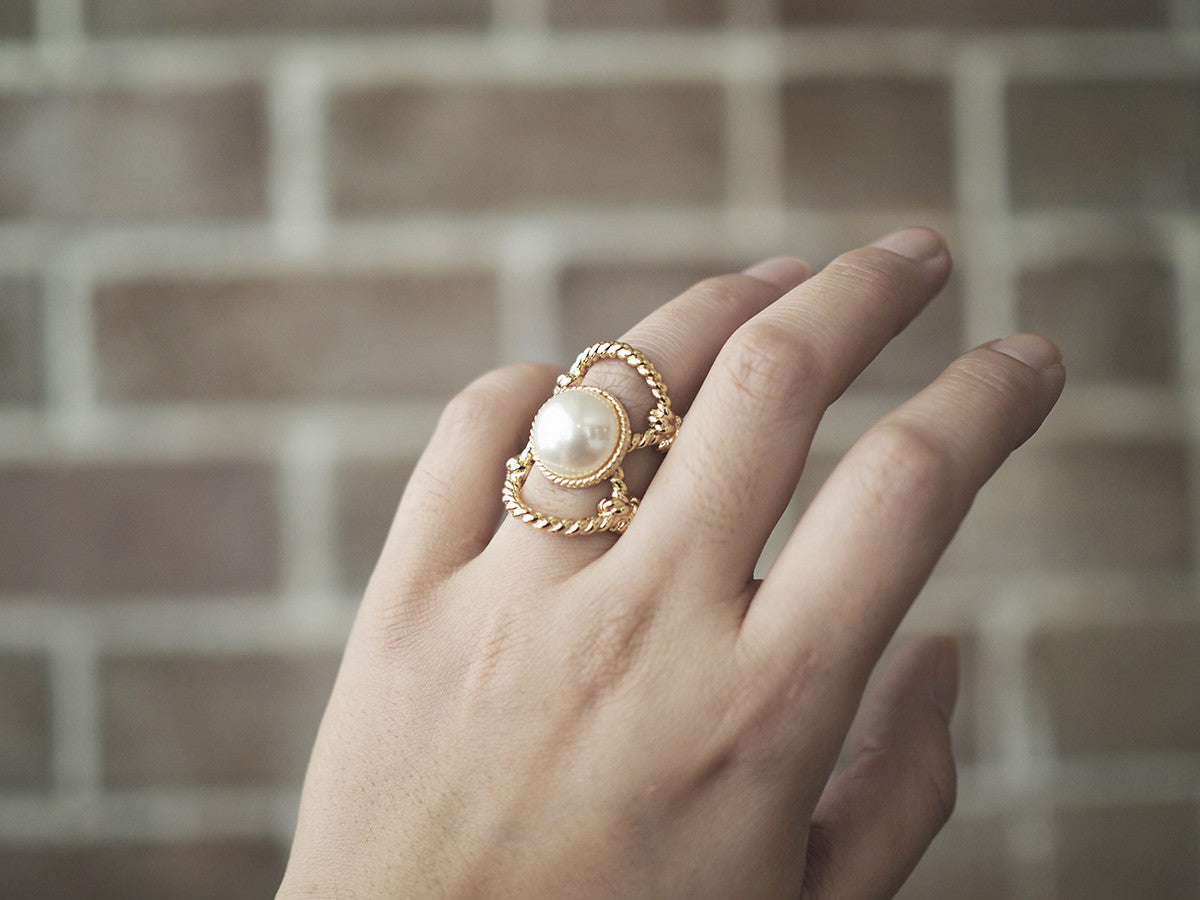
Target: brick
(294,338)
(1129,851)
(1115,320)
(111,18)
(132,154)
(227,721)
(230,869)
(603,302)
(868,143)
(636,13)
(1120,689)
(16,19)
(368,493)
(25,712)
(1105,144)
(20,342)
(967,859)
(100,530)
(399,148)
(1079,505)
(980,13)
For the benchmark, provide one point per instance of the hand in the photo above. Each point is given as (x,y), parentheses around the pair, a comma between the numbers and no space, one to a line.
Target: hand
(526,714)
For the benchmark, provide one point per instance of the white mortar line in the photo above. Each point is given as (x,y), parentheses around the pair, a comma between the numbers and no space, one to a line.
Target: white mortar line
(192,626)
(155,814)
(1019,734)
(74,709)
(296,103)
(980,167)
(307,526)
(58,22)
(1187,292)
(512,56)
(754,132)
(69,365)
(529,310)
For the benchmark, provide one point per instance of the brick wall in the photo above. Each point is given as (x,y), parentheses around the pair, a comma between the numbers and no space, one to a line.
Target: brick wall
(247,250)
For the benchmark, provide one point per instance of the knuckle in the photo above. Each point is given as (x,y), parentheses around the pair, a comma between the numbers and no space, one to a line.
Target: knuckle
(875,275)
(623,383)
(491,391)
(715,290)
(772,364)
(612,644)
(902,465)
(980,375)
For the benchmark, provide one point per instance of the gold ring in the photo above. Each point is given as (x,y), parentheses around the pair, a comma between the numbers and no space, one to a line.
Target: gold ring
(580,437)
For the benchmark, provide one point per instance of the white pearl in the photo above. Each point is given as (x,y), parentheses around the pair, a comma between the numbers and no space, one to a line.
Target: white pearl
(575,433)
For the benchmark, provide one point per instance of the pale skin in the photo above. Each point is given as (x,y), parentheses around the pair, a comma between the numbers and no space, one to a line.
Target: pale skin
(521,714)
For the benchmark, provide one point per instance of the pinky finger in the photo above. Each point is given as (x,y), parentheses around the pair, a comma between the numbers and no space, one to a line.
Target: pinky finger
(875,821)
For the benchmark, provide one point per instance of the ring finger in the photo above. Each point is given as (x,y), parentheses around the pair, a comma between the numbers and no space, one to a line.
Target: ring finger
(681,339)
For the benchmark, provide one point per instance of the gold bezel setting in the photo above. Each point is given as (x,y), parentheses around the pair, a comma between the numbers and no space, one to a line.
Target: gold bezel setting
(615,512)
(624,435)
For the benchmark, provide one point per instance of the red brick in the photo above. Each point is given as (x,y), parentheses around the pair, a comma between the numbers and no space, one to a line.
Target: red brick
(978,13)
(25,712)
(231,870)
(367,496)
(1115,320)
(396,149)
(136,154)
(967,859)
(230,721)
(112,530)
(604,301)
(20,342)
(1080,506)
(1105,144)
(868,143)
(16,19)
(601,302)
(1120,689)
(636,13)
(211,17)
(1114,853)
(291,338)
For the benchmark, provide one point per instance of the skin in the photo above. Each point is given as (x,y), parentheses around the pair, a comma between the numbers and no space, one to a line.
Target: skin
(521,714)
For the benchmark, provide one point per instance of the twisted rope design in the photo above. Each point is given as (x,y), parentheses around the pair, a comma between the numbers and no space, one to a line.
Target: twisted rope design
(615,512)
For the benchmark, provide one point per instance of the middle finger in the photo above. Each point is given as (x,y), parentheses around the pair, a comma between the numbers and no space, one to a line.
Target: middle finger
(735,464)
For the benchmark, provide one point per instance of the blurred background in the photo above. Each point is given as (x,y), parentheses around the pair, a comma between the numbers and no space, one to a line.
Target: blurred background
(248,249)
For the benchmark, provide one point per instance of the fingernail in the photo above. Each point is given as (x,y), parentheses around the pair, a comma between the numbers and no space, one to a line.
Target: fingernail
(783,271)
(1033,350)
(943,682)
(918,244)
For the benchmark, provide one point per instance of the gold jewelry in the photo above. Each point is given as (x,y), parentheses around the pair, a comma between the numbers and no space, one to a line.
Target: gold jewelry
(580,437)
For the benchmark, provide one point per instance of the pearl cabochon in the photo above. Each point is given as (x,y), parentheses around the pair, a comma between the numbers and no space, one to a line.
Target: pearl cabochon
(576,434)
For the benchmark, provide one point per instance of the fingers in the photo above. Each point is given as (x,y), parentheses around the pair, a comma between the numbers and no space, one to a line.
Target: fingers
(877,818)
(450,506)
(737,460)
(872,535)
(681,339)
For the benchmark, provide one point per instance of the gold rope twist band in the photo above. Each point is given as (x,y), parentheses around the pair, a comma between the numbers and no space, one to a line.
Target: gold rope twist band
(610,432)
